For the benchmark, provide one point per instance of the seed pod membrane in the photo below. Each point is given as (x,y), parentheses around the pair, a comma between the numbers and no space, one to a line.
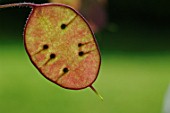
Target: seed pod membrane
(62,46)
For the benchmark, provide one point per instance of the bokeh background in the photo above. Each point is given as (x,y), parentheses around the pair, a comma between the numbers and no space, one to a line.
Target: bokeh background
(134,38)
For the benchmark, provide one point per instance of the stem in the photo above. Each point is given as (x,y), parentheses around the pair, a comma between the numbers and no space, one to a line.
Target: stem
(96,92)
(16,4)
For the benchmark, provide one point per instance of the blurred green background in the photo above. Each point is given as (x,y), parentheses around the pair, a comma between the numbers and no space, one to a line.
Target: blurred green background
(134,74)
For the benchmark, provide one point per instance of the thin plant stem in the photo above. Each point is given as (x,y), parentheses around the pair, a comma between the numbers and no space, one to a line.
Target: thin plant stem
(16,4)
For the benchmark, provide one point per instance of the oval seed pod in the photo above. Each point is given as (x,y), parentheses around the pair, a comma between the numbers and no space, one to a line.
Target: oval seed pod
(61,45)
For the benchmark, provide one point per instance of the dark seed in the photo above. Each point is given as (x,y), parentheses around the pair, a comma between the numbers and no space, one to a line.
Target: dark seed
(81,53)
(65,70)
(80,44)
(63,26)
(52,56)
(45,47)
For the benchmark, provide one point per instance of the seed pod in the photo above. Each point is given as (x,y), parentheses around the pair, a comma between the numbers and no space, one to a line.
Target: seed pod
(61,45)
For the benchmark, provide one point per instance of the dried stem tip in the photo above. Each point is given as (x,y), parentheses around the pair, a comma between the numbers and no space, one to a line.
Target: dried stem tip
(96,92)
